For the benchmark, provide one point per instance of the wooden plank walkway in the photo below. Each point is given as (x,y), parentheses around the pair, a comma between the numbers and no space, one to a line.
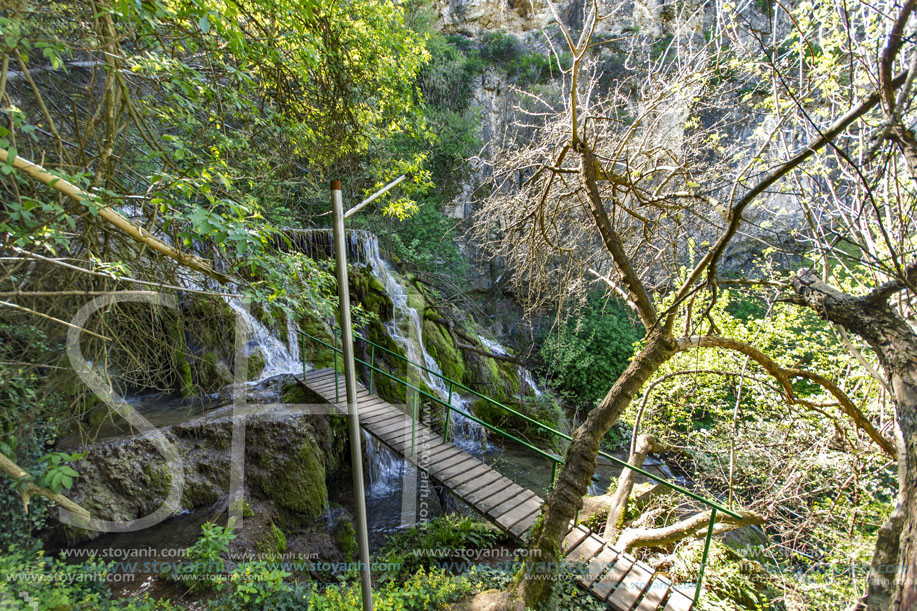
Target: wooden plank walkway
(609,574)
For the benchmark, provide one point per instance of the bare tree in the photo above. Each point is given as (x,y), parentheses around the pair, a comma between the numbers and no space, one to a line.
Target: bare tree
(615,186)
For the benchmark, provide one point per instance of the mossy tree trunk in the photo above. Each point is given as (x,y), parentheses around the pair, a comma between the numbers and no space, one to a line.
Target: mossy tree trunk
(566,498)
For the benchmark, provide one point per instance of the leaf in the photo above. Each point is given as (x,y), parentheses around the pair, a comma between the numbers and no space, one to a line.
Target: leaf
(204,24)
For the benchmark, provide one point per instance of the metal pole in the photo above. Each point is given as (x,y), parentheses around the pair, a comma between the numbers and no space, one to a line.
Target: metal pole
(448,415)
(414,421)
(337,378)
(372,366)
(356,453)
(703,562)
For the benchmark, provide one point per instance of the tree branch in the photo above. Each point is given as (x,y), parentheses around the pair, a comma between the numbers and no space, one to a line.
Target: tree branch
(785,376)
(141,235)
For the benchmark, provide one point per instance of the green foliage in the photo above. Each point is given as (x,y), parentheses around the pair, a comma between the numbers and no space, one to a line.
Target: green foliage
(32,580)
(252,585)
(203,564)
(427,543)
(59,475)
(31,414)
(731,582)
(583,358)
(425,589)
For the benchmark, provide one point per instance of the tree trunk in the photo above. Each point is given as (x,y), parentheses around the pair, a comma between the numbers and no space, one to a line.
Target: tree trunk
(566,498)
(893,575)
(618,506)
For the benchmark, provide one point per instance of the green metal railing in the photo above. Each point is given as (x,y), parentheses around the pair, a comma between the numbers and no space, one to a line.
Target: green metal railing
(454,385)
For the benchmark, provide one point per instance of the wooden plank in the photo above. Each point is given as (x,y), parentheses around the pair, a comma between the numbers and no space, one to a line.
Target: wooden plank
(392,426)
(488,491)
(371,402)
(655,594)
(510,503)
(575,537)
(632,586)
(679,600)
(518,513)
(460,479)
(612,578)
(514,491)
(449,454)
(434,453)
(438,469)
(586,549)
(599,563)
(377,419)
(451,471)
(474,484)
(522,526)
(401,440)
(326,390)
(326,385)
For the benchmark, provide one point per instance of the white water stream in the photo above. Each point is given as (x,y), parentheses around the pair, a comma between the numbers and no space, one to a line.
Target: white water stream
(406,328)
(280,356)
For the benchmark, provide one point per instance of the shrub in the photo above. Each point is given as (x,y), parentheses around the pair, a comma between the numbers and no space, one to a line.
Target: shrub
(203,567)
(584,357)
(430,543)
(36,581)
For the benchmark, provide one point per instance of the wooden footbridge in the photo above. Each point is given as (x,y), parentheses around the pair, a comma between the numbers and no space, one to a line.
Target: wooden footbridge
(609,574)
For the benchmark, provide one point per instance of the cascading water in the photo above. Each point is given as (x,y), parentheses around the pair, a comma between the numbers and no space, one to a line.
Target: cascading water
(279,357)
(406,328)
(384,467)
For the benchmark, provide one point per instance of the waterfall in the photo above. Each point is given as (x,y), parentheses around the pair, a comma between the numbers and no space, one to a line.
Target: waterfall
(319,244)
(279,357)
(406,328)
(383,467)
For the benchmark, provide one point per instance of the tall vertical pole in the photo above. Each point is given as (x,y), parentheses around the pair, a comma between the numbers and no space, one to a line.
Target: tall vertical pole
(350,378)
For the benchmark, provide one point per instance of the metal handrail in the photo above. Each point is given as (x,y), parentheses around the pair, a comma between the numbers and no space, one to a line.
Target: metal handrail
(555,460)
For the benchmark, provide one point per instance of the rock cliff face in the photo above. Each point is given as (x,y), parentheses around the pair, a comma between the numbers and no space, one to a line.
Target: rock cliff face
(469,16)
(636,31)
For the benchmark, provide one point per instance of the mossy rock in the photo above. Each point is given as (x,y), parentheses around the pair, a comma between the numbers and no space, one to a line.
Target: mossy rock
(368,292)
(209,325)
(439,344)
(273,542)
(180,363)
(256,365)
(211,371)
(242,504)
(299,485)
(497,379)
(293,393)
(160,478)
(345,538)
(320,356)
(198,492)
(384,386)
(544,411)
